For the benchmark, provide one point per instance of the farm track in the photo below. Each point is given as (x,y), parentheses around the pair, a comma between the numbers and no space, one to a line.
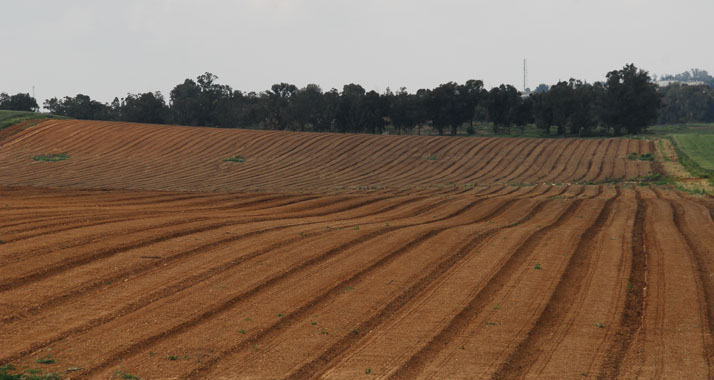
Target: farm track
(346,256)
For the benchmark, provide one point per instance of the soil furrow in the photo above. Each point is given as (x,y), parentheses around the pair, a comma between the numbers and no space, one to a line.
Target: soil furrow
(562,301)
(633,312)
(225,306)
(418,361)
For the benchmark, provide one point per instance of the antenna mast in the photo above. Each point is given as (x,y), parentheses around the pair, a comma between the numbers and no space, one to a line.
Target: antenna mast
(525,75)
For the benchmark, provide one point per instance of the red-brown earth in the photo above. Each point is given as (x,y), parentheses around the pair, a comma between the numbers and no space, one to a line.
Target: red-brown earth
(346,257)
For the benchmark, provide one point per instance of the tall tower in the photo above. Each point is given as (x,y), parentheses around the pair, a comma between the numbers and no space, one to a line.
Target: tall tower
(525,75)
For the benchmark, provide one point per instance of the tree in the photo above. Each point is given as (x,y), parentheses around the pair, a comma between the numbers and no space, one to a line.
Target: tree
(449,106)
(308,106)
(542,111)
(686,104)
(145,108)
(524,113)
(279,102)
(475,97)
(541,88)
(186,104)
(631,101)
(406,111)
(349,112)
(693,75)
(375,109)
(18,102)
(196,103)
(78,107)
(503,103)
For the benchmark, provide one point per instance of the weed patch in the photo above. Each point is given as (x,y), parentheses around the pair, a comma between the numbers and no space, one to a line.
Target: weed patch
(45,360)
(51,157)
(29,374)
(124,375)
(640,157)
(236,158)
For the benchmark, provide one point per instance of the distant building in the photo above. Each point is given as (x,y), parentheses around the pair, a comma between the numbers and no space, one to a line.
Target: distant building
(665,83)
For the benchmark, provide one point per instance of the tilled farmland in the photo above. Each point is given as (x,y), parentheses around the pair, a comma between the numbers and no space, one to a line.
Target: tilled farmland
(346,257)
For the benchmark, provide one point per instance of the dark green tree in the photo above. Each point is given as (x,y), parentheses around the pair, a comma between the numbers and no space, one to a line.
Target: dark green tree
(148,107)
(449,106)
(279,102)
(78,107)
(306,107)
(542,111)
(406,111)
(18,102)
(350,109)
(196,103)
(375,109)
(631,101)
(186,104)
(685,104)
(503,103)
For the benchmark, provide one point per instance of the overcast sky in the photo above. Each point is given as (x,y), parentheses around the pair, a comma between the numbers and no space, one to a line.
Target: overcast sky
(109,48)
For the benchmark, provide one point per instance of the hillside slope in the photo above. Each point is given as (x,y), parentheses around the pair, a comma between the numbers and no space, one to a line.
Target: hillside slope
(112,155)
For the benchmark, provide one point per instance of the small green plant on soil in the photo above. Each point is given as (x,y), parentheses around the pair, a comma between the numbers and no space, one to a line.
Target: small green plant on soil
(496,307)
(355,331)
(29,374)
(356,228)
(125,375)
(432,157)
(51,157)
(537,266)
(600,325)
(173,357)
(641,157)
(280,315)
(236,158)
(249,319)
(368,371)
(241,331)
(323,331)
(45,360)
(349,289)
(313,323)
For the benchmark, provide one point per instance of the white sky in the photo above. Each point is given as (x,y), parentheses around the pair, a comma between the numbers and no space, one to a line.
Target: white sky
(107,48)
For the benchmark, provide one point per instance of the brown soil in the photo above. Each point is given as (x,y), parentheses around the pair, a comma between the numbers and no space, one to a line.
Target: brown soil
(520,274)
(106,155)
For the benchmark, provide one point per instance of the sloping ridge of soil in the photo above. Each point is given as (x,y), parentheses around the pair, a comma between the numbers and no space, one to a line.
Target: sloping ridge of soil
(112,155)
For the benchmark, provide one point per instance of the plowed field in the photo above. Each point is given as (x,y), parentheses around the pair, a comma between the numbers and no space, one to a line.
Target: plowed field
(346,257)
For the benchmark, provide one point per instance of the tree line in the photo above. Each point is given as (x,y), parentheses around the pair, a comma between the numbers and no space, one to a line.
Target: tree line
(626,102)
